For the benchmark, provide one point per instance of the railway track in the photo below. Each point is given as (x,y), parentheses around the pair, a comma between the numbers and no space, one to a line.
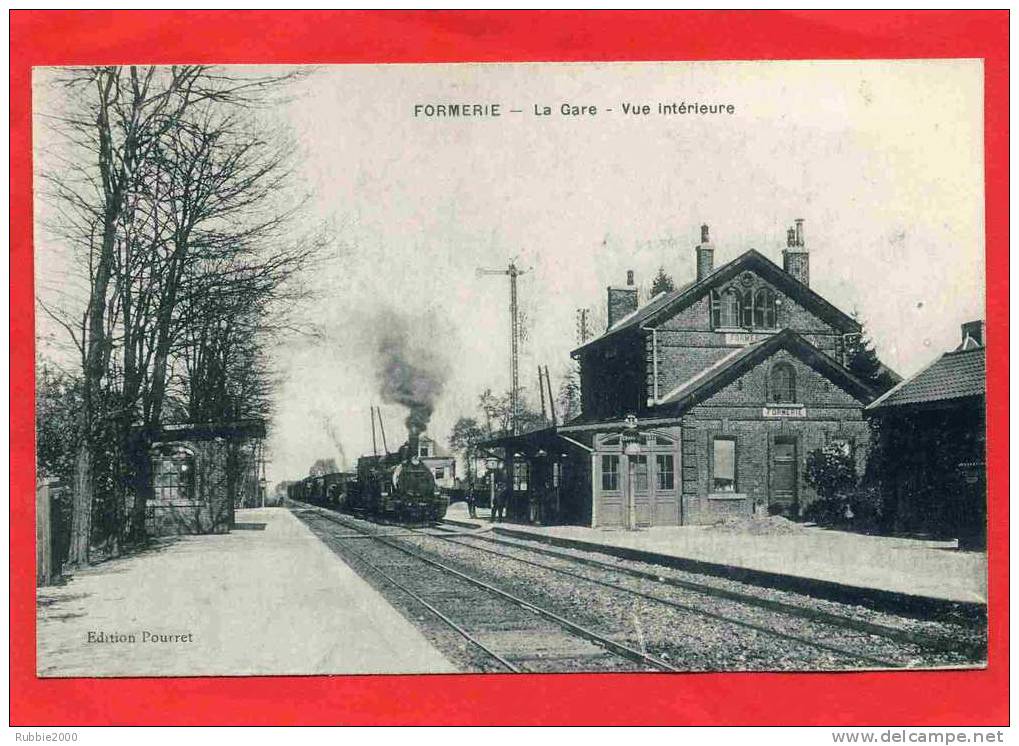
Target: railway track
(969,650)
(754,628)
(511,633)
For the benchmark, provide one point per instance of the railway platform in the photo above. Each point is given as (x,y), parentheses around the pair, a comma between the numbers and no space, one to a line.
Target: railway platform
(266,599)
(900,573)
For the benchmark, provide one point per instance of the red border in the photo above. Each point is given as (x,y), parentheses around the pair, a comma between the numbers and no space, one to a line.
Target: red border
(107,37)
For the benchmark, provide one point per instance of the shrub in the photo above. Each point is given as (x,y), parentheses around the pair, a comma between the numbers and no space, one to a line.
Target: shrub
(831,471)
(865,504)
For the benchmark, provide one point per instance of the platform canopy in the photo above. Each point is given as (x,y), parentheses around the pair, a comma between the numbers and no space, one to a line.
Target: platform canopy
(548,440)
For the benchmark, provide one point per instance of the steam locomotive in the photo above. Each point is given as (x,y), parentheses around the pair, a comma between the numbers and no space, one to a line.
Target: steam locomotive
(394,486)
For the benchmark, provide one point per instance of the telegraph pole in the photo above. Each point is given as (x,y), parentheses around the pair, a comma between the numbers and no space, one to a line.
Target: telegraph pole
(582,333)
(513,273)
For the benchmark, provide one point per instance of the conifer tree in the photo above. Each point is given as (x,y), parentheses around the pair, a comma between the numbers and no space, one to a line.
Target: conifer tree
(662,283)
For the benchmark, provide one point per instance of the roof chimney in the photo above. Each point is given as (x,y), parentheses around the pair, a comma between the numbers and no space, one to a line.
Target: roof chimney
(795,258)
(972,335)
(705,255)
(622,300)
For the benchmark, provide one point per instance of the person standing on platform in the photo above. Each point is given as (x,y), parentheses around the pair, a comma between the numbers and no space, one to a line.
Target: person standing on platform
(501,498)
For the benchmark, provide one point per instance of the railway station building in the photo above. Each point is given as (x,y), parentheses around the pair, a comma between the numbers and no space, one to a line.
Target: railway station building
(702,403)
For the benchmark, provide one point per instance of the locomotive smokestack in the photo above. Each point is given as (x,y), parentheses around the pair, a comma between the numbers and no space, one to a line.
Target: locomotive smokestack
(413,441)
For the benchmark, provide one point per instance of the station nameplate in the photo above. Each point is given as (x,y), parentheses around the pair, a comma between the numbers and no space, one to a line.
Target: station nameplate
(791,411)
(741,339)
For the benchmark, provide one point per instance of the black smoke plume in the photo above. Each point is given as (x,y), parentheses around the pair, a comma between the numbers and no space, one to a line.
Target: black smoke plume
(327,425)
(410,370)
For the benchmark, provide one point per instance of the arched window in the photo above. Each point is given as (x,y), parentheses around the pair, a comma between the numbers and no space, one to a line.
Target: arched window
(747,316)
(725,309)
(764,309)
(783,384)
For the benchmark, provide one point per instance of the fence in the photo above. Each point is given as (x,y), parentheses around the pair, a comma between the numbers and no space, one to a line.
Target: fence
(52,532)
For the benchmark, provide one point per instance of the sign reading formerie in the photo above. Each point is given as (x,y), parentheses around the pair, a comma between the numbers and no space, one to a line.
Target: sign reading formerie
(792,410)
(741,339)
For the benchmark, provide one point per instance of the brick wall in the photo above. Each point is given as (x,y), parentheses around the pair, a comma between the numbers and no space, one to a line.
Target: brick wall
(687,344)
(618,377)
(621,302)
(736,411)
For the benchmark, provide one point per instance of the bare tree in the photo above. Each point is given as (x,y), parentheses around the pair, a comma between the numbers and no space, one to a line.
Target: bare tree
(163,185)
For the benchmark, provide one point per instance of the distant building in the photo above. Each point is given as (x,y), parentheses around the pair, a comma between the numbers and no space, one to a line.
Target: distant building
(436,458)
(933,441)
(702,403)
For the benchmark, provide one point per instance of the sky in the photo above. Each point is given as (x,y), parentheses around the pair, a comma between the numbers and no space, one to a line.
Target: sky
(882,159)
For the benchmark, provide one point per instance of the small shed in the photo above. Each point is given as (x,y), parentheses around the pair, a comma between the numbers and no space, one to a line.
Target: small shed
(932,445)
(200,472)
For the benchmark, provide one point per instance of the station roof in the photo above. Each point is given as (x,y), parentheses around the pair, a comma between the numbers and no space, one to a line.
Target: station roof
(711,379)
(227,429)
(550,439)
(954,376)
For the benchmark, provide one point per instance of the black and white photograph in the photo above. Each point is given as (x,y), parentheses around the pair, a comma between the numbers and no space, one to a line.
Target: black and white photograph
(510,368)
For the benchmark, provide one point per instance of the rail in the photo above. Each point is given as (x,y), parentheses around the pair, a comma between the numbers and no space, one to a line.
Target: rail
(620,649)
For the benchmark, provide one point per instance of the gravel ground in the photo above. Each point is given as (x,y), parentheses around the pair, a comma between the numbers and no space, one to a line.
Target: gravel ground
(526,639)
(834,634)
(711,634)
(688,639)
(966,631)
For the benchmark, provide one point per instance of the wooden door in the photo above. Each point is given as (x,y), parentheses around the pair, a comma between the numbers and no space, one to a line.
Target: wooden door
(640,480)
(783,471)
(610,483)
(666,495)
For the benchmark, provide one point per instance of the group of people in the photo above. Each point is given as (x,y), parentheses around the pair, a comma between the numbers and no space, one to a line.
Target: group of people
(541,510)
(500,499)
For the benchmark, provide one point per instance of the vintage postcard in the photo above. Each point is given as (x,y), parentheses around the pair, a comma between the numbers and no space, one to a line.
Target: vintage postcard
(510,368)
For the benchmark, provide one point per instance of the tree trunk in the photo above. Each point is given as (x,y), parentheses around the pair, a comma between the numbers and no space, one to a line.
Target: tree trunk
(233,458)
(139,462)
(81,518)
